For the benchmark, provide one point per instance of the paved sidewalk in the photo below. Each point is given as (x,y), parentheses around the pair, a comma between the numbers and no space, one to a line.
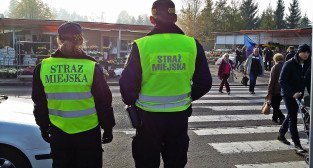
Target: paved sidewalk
(261,81)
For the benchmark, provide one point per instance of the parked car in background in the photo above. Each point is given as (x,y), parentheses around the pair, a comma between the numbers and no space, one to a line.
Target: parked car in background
(21,144)
(232,57)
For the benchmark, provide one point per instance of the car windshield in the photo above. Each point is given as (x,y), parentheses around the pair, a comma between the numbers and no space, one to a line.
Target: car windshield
(3,98)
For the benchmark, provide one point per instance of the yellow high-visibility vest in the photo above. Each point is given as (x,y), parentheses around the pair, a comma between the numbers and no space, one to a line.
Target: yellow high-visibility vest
(67,84)
(168,65)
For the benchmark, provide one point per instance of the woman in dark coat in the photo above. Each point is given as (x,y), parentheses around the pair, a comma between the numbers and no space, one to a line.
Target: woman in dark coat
(224,71)
(274,89)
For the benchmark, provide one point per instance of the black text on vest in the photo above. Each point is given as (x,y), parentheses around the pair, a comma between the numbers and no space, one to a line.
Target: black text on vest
(66,73)
(169,63)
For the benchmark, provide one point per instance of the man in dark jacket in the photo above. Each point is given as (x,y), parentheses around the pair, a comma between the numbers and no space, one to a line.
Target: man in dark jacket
(293,80)
(70,103)
(268,53)
(238,57)
(164,114)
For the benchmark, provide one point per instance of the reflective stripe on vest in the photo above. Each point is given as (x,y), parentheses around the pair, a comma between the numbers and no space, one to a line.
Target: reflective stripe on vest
(168,64)
(72,114)
(67,84)
(68,96)
(164,106)
(163,99)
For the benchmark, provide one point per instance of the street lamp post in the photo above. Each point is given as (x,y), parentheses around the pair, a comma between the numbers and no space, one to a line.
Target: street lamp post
(311,114)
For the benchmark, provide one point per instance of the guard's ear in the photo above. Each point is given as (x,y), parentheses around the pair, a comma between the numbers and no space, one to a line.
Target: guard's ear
(175,18)
(152,20)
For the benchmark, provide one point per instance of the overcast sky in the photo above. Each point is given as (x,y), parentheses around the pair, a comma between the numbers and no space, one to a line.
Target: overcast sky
(111,8)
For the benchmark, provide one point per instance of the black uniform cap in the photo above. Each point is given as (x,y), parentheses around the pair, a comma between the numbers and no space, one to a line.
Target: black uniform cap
(69,31)
(164,10)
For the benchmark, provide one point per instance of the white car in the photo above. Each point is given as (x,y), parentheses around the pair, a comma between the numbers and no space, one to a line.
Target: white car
(21,144)
(232,57)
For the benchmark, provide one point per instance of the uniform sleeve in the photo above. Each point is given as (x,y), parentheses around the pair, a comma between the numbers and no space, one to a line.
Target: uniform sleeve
(103,100)
(40,112)
(130,81)
(202,79)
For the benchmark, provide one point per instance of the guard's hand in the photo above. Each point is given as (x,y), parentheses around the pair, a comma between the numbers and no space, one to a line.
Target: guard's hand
(297,95)
(45,134)
(107,136)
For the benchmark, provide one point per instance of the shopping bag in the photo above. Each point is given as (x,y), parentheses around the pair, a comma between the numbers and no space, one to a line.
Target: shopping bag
(266,108)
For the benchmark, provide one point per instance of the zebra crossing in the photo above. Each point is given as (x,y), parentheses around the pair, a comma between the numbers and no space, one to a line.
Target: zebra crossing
(215,111)
(248,108)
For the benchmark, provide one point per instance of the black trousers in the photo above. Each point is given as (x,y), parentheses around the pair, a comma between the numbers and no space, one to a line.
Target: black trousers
(276,99)
(291,120)
(82,150)
(162,134)
(225,82)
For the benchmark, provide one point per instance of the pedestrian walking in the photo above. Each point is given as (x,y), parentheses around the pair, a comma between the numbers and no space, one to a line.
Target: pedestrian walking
(273,94)
(238,57)
(71,102)
(165,72)
(294,78)
(290,53)
(268,55)
(254,67)
(224,70)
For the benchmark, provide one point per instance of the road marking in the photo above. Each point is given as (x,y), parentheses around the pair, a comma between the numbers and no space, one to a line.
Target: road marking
(209,95)
(236,88)
(241,130)
(234,108)
(116,95)
(298,164)
(244,117)
(229,101)
(238,91)
(253,146)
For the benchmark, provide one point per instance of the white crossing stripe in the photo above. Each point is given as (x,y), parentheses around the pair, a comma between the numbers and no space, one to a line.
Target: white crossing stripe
(229,101)
(254,146)
(210,118)
(244,117)
(130,132)
(241,130)
(239,91)
(233,95)
(116,95)
(236,88)
(235,108)
(298,164)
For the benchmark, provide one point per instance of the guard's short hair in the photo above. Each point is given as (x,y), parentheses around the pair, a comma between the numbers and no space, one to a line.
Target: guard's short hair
(164,10)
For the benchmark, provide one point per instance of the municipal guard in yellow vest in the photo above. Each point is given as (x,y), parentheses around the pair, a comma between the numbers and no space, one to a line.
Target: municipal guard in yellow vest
(71,102)
(165,72)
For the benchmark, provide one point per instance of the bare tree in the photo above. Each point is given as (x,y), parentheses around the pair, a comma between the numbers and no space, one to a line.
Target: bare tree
(187,19)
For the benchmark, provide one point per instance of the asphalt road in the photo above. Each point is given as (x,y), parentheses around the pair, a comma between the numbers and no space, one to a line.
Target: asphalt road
(225,131)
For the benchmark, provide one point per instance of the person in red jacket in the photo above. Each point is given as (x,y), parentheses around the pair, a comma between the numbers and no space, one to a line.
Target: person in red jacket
(224,71)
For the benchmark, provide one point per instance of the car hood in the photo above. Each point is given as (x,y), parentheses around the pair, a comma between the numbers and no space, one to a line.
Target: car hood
(17,110)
